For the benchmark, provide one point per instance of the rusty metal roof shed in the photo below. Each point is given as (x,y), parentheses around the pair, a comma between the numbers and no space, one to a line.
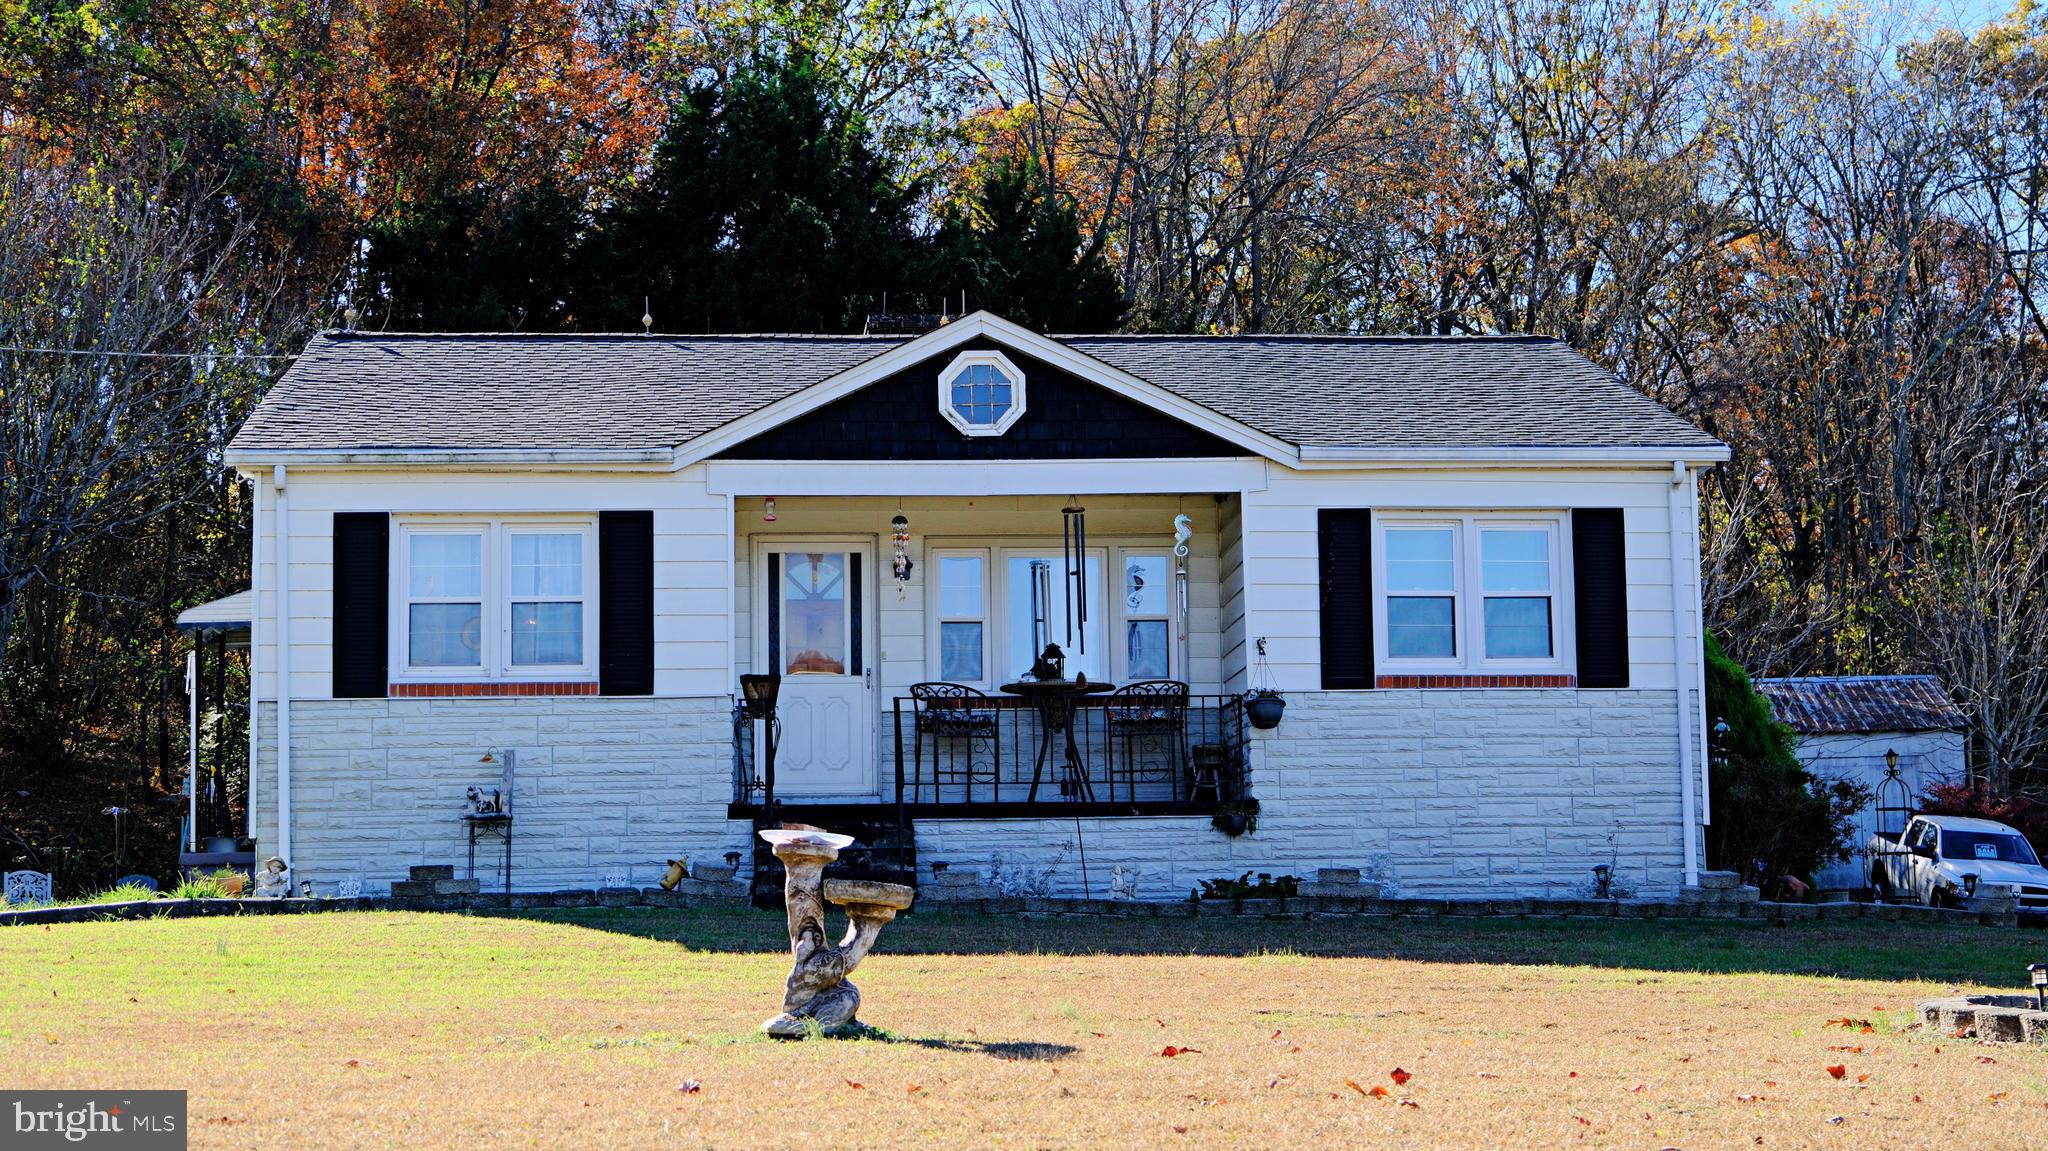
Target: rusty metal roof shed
(1855,704)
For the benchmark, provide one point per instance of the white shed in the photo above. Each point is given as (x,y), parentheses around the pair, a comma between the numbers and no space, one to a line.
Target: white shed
(1848,724)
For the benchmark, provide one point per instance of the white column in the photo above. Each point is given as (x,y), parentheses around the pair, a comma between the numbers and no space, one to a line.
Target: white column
(192,741)
(1682,677)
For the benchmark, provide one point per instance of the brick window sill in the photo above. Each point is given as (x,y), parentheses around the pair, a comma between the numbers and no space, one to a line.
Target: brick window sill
(496,688)
(1474,681)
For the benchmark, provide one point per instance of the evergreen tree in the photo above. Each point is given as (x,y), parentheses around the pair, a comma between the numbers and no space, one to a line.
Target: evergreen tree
(1016,249)
(462,263)
(767,209)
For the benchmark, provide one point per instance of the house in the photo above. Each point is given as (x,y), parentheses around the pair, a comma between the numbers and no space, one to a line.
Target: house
(1468,565)
(1857,728)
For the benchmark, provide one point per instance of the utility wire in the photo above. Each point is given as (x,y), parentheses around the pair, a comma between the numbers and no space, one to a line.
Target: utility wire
(153,355)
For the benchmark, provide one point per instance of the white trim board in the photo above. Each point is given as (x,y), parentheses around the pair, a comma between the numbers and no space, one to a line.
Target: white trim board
(1005,478)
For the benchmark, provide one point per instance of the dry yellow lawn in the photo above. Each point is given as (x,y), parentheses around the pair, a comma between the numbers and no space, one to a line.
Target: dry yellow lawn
(577,1028)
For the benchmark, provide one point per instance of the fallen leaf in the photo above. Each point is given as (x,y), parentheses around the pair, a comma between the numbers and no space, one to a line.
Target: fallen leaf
(1171,1052)
(1850,1050)
(1996,1096)
(1411,1103)
(1838,1070)
(1573,1075)
(1584,1120)
(1399,1076)
(1637,1089)
(1276,1033)
(1098,1034)
(1986,1059)
(49,1038)
(914,1088)
(856,1086)
(1180,1129)
(353,1063)
(1836,1121)
(689,1087)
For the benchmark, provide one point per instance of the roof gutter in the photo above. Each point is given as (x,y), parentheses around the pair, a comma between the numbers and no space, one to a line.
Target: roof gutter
(1629,456)
(630,459)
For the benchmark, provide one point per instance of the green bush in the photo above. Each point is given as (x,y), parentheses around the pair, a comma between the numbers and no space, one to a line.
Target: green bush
(1771,816)
(126,893)
(205,886)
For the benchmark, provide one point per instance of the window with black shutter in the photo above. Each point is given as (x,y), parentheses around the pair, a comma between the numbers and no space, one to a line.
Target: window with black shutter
(1344,554)
(1600,596)
(362,604)
(625,575)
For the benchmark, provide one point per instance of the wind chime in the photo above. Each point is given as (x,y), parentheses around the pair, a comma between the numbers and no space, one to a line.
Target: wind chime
(899,529)
(1074,550)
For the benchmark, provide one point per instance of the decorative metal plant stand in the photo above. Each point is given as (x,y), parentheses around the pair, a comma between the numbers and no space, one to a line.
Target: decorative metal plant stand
(817,992)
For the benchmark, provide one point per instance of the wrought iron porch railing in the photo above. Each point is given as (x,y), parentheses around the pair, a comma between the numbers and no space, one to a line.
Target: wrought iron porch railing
(1006,750)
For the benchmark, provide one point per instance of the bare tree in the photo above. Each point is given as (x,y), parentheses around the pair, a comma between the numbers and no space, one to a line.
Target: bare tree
(121,321)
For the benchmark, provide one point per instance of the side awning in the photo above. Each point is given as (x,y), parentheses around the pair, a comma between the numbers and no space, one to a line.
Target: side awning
(229,613)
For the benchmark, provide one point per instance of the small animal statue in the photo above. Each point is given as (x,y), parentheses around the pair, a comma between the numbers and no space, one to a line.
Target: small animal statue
(275,880)
(480,805)
(1123,882)
(677,868)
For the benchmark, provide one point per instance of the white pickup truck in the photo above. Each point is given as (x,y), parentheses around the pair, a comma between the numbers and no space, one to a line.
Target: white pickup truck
(1941,860)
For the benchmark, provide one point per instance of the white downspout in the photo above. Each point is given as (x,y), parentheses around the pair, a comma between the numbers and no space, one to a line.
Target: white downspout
(282,565)
(255,655)
(1697,652)
(192,741)
(1681,680)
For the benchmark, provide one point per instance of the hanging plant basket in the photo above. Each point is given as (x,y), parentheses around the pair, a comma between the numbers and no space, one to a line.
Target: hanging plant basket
(1263,705)
(1263,709)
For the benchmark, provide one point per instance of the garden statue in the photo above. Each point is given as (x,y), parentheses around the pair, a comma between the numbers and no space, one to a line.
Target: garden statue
(1123,882)
(817,993)
(275,880)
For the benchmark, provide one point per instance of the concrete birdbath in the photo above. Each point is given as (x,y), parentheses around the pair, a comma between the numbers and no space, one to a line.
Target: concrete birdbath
(817,992)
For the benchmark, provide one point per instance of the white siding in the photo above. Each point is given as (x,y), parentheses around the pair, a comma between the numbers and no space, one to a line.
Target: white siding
(1280,558)
(691,558)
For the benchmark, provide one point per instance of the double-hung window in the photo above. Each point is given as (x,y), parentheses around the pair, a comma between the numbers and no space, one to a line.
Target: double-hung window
(993,610)
(495,599)
(1463,593)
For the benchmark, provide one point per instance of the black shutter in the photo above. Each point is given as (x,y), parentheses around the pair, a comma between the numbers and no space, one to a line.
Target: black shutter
(1344,554)
(362,604)
(1600,596)
(625,611)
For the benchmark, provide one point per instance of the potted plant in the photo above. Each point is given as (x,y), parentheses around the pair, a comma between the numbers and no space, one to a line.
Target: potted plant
(1238,817)
(1263,708)
(1262,704)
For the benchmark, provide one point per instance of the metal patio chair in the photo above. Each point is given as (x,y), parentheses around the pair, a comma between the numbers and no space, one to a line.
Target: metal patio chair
(1143,716)
(948,712)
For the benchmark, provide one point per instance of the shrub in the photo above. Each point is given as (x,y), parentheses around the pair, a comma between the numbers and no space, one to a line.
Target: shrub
(1244,886)
(1771,816)
(2024,814)
(200,887)
(126,893)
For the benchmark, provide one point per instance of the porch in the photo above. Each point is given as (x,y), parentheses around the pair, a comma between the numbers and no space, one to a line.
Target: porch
(903,635)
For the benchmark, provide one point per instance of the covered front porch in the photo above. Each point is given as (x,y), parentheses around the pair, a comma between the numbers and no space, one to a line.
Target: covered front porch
(903,641)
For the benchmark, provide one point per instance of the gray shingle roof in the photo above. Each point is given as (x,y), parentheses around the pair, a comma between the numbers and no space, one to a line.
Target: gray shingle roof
(1855,704)
(375,391)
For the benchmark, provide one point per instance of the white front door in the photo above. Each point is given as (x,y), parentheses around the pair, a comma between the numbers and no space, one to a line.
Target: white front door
(817,633)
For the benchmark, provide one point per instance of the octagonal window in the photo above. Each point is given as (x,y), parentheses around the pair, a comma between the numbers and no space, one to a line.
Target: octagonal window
(981,393)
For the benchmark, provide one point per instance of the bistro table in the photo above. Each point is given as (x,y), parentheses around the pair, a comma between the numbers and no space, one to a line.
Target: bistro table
(1055,700)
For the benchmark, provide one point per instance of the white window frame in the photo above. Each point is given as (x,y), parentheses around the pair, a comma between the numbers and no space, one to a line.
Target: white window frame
(1124,616)
(495,647)
(992,359)
(935,612)
(1468,629)
(995,621)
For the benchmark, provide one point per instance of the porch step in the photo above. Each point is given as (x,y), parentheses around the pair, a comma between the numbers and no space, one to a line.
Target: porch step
(427,873)
(877,851)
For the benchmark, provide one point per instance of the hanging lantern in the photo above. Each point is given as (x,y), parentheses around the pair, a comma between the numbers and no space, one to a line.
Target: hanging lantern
(899,529)
(1074,549)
